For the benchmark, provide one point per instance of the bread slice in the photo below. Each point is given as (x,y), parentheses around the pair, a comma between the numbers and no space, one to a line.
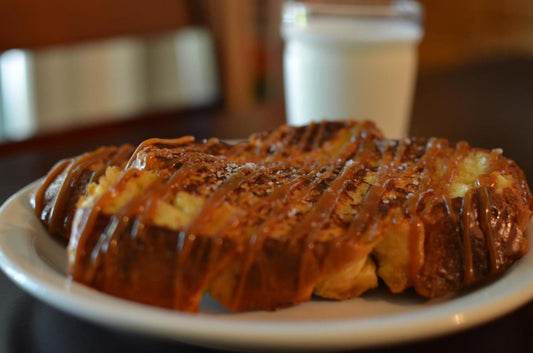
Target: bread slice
(55,201)
(322,209)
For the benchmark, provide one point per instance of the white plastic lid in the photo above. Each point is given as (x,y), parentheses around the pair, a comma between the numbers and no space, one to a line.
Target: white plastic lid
(358,21)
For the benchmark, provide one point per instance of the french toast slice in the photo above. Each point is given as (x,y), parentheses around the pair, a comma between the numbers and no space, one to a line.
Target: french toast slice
(453,216)
(55,201)
(321,209)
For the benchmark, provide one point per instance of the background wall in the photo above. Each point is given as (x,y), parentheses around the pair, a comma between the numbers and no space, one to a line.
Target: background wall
(246,56)
(458,32)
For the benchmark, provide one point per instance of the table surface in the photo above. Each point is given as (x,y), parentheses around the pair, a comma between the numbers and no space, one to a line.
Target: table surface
(489,105)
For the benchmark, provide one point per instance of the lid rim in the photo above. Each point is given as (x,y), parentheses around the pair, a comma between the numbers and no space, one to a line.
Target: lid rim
(298,13)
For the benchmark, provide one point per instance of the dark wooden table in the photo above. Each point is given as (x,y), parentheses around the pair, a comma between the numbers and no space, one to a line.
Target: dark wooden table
(490,105)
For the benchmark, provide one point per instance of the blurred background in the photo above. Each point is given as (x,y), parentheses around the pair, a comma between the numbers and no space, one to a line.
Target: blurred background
(78,74)
(65,65)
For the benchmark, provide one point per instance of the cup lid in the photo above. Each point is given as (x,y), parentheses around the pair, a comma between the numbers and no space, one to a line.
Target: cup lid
(384,20)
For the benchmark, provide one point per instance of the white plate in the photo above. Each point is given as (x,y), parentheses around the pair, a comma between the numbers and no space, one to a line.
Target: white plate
(37,263)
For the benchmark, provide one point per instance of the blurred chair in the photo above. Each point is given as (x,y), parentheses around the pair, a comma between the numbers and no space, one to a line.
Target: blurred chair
(68,63)
(42,23)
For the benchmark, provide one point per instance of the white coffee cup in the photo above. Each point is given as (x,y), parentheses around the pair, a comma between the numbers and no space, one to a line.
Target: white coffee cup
(351,60)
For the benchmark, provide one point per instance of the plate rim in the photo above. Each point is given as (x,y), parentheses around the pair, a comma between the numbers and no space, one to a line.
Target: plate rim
(446,317)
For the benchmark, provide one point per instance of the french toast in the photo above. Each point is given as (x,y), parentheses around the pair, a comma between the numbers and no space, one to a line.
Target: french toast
(55,202)
(266,223)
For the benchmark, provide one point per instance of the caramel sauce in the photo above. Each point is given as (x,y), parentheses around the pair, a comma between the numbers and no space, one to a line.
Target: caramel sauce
(188,240)
(161,192)
(272,139)
(117,224)
(125,151)
(284,144)
(416,246)
(144,206)
(433,147)
(149,142)
(315,220)
(201,222)
(402,148)
(52,175)
(437,190)
(355,152)
(319,136)
(306,138)
(87,224)
(452,166)
(466,211)
(441,190)
(384,176)
(412,205)
(484,202)
(322,209)
(278,196)
(74,170)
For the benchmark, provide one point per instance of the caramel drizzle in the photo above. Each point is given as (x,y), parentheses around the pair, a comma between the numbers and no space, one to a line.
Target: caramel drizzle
(387,170)
(439,193)
(416,246)
(344,148)
(433,147)
(483,184)
(402,148)
(88,222)
(314,221)
(321,213)
(416,225)
(319,135)
(314,156)
(385,175)
(262,149)
(466,209)
(122,219)
(307,136)
(484,201)
(164,191)
(121,157)
(279,195)
(39,195)
(123,153)
(200,224)
(452,166)
(74,170)
(324,206)
(153,141)
(145,206)
(277,156)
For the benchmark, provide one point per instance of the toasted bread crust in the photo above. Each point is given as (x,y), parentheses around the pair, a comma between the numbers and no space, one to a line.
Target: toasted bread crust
(55,201)
(266,222)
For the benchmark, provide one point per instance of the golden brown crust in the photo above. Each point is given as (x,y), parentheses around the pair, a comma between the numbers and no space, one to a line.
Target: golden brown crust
(265,223)
(55,200)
